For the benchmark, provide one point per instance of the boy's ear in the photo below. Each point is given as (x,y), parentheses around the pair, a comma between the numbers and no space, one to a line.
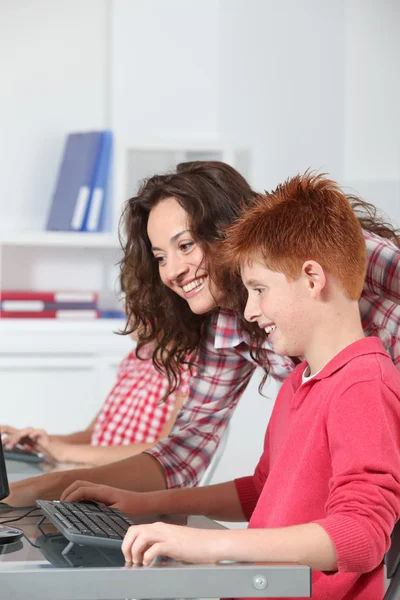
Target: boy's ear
(315,277)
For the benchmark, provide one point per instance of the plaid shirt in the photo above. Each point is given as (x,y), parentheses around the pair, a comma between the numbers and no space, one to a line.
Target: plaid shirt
(133,412)
(224,368)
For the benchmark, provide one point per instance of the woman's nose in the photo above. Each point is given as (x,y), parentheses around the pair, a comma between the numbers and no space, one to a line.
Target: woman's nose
(176,267)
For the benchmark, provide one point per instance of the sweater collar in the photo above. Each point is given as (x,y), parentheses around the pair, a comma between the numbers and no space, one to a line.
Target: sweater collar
(367,345)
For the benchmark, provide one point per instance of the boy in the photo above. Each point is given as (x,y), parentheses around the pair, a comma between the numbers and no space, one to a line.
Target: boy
(326,491)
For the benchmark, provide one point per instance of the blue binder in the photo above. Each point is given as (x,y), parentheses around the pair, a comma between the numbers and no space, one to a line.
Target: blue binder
(96,212)
(72,192)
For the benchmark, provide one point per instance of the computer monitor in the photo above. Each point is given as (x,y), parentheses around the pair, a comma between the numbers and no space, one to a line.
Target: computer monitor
(4,489)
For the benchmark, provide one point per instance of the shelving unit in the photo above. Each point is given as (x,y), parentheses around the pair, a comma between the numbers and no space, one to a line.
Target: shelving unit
(65,239)
(89,261)
(138,159)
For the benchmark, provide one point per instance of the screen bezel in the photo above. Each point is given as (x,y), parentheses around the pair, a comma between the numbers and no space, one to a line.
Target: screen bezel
(4,489)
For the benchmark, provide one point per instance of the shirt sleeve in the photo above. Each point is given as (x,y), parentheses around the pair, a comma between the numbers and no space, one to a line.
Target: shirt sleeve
(221,378)
(383,267)
(363,505)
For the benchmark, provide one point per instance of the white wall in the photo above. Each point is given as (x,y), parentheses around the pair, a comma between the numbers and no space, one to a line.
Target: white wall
(310,84)
(282,89)
(372,100)
(164,68)
(315,84)
(53,75)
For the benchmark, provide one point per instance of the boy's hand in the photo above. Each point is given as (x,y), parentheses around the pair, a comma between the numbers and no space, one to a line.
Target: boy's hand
(143,543)
(131,503)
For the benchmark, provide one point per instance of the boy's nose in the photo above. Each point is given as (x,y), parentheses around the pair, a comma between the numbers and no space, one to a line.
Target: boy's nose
(251,311)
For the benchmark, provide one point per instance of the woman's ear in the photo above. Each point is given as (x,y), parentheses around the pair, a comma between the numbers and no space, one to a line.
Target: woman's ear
(315,277)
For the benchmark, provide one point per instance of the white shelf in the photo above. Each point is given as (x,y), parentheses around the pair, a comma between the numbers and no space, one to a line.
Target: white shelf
(65,239)
(56,326)
(182,144)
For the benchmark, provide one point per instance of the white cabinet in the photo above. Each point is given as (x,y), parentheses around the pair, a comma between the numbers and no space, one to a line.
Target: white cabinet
(56,375)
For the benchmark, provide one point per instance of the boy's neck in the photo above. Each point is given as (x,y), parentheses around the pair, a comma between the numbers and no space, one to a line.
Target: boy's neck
(337,329)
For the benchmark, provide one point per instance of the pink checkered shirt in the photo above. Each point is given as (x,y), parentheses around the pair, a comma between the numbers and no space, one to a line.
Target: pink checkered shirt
(133,412)
(224,368)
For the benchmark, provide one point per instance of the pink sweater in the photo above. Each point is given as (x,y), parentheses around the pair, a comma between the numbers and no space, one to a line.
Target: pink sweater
(331,456)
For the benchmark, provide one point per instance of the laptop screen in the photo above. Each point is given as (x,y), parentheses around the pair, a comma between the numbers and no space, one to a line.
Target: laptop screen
(4,490)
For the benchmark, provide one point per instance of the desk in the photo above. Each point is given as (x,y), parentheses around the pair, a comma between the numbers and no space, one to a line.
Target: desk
(17,470)
(87,573)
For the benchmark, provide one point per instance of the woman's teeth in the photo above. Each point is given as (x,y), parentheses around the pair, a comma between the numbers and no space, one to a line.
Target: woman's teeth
(269,329)
(193,284)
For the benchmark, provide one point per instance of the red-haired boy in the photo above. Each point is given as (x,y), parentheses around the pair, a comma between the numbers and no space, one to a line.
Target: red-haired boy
(326,491)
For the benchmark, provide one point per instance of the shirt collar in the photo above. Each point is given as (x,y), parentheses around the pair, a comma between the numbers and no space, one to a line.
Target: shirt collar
(367,345)
(228,332)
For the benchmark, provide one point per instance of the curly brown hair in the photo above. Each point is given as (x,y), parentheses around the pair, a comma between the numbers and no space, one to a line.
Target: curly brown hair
(372,219)
(213,194)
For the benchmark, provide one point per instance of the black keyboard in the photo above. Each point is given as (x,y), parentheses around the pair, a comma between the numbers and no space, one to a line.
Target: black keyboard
(18,453)
(87,523)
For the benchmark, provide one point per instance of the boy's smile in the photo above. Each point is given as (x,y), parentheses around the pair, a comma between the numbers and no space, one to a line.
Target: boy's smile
(275,304)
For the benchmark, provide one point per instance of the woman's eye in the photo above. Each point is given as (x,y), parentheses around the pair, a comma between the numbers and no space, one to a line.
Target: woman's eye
(159,259)
(259,291)
(186,246)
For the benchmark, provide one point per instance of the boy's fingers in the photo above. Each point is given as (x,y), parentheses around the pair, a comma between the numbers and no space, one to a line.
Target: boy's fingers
(157,549)
(136,542)
(129,538)
(139,546)
(143,543)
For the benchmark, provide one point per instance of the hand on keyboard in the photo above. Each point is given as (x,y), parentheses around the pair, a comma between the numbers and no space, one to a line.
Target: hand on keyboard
(87,523)
(11,436)
(130,503)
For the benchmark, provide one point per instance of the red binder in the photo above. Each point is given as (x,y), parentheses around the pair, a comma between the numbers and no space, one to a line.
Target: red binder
(48,296)
(79,315)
